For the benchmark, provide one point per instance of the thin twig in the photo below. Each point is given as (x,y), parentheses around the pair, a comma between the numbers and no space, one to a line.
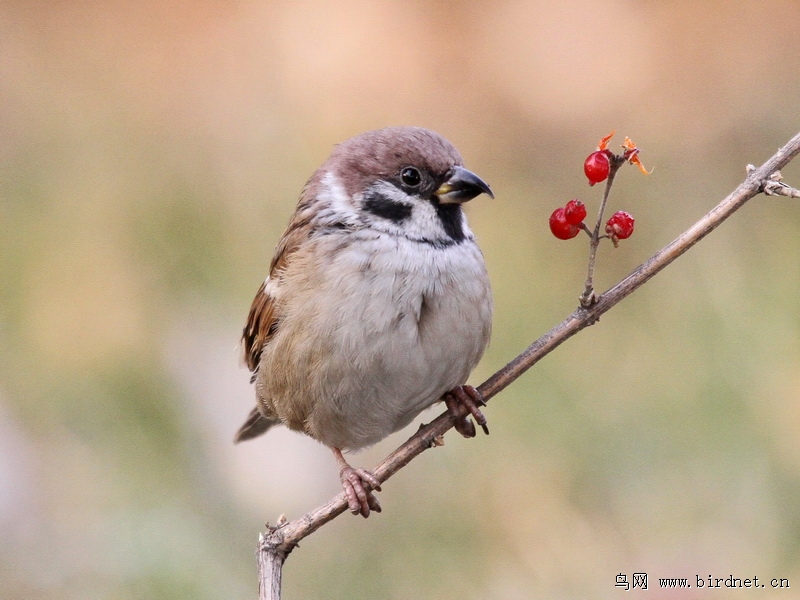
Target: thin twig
(279,541)
(588,296)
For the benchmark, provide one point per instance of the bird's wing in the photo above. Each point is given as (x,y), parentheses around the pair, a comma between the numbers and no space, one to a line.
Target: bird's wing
(264,320)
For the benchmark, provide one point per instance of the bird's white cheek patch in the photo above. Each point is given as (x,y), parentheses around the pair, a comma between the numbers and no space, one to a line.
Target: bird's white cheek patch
(334,197)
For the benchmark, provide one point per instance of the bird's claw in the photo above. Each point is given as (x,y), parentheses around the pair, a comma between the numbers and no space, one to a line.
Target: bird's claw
(358,485)
(464,400)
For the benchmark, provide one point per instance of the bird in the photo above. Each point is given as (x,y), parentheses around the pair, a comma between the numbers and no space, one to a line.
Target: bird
(377,303)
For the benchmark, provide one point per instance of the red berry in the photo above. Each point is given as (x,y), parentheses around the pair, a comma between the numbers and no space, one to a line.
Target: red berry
(620,225)
(597,166)
(560,227)
(575,212)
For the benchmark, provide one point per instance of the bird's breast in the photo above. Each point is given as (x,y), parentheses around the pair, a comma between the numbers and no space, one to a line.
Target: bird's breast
(377,332)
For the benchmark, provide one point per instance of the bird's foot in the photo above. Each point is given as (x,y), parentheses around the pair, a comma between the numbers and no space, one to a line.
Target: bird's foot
(358,485)
(462,401)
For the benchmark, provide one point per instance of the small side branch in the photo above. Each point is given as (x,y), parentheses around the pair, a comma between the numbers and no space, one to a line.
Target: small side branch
(588,297)
(278,542)
(774,186)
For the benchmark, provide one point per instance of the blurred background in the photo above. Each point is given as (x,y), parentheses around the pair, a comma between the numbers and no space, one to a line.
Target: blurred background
(151,154)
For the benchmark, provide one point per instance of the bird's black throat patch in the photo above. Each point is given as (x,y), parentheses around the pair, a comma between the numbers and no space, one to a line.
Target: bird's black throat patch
(452,221)
(386,208)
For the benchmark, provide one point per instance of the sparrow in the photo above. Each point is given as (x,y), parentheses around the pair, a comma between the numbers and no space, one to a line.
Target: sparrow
(377,303)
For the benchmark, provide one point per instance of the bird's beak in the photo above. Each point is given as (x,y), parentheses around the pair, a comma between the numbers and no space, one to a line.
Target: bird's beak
(462,185)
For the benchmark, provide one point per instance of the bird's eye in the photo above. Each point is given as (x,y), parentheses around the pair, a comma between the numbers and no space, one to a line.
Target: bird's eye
(410,176)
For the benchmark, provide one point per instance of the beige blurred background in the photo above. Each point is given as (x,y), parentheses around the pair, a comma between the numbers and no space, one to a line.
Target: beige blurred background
(150,156)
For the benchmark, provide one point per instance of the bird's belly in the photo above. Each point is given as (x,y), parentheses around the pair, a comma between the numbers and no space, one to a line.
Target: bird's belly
(380,342)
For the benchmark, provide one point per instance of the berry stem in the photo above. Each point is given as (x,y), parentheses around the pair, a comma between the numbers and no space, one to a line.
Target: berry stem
(588,297)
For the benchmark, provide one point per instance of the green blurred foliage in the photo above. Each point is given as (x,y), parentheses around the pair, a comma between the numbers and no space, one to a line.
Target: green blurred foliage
(150,156)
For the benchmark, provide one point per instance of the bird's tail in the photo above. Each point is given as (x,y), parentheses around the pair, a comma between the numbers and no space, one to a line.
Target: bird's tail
(255,425)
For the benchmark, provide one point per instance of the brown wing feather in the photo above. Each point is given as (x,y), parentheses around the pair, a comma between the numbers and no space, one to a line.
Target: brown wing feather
(263,320)
(260,326)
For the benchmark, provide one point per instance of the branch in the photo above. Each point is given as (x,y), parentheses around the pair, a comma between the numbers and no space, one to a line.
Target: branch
(279,541)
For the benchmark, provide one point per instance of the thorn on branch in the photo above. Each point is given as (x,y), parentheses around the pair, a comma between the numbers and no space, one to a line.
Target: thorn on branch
(282,520)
